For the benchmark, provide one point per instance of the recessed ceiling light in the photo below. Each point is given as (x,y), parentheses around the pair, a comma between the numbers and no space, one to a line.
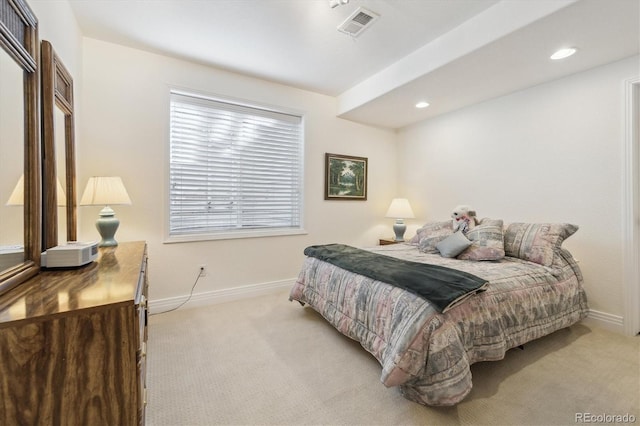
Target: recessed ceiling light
(422,104)
(563,53)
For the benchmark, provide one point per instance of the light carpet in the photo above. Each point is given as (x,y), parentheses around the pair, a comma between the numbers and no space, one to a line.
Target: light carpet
(268,361)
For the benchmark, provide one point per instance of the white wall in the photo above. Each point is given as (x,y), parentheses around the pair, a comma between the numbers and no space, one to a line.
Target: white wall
(124,132)
(552,153)
(57,24)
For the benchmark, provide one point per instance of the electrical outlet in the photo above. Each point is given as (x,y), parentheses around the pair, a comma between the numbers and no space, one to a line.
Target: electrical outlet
(203,270)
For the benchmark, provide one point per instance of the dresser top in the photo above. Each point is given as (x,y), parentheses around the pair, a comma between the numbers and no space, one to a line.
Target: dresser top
(112,278)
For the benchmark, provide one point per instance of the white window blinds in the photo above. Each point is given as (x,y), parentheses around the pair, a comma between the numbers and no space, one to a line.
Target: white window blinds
(233,168)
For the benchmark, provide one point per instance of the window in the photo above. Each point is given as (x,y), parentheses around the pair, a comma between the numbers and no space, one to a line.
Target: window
(234,170)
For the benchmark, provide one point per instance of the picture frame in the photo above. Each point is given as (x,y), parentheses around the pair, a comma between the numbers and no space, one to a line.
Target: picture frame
(345,177)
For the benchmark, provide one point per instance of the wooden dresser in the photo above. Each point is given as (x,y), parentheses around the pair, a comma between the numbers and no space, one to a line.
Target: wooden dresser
(73,343)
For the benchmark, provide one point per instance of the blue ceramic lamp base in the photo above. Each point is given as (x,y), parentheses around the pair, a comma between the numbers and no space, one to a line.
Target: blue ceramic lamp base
(399,228)
(107,226)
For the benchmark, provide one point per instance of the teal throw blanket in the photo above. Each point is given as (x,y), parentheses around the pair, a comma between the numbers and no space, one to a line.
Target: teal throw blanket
(443,287)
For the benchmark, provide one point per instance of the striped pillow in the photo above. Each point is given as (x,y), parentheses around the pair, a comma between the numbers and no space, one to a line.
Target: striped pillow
(487,240)
(536,242)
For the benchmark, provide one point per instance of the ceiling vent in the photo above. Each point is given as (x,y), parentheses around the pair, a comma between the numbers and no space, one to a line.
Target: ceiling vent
(359,21)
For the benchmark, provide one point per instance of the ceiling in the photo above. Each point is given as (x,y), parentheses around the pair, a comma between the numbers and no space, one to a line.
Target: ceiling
(451,53)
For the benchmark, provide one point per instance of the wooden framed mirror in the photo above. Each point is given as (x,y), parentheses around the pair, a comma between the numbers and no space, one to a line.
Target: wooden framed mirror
(19,42)
(59,204)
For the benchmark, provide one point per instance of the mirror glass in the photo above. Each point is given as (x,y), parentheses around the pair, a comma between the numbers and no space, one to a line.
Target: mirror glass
(61,184)
(11,163)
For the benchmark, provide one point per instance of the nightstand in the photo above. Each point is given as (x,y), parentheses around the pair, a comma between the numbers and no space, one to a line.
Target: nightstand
(388,241)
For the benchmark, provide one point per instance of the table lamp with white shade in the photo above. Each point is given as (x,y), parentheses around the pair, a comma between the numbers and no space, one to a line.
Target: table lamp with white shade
(399,210)
(106,191)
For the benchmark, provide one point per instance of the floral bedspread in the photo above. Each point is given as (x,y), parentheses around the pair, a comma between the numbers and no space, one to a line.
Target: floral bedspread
(426,353)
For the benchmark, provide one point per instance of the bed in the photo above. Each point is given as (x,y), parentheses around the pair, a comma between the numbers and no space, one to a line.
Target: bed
(532,286)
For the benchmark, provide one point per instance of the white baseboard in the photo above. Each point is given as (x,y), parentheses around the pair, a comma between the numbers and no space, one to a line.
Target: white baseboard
(219,296)
(604,320)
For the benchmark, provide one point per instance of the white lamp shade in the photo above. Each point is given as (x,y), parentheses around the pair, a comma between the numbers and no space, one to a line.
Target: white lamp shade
(400,209)
(60,197)
(17,196)
(104,191)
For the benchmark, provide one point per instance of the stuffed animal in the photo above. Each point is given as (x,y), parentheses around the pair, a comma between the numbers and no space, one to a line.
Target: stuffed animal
(464,219)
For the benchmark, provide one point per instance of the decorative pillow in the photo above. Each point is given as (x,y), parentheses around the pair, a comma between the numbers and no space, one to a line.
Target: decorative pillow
(428,228)
(536,242)
(432,233)
(453,245)
(416,238)
(487,240)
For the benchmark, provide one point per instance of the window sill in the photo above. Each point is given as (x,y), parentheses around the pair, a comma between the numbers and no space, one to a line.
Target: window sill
(234,235)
